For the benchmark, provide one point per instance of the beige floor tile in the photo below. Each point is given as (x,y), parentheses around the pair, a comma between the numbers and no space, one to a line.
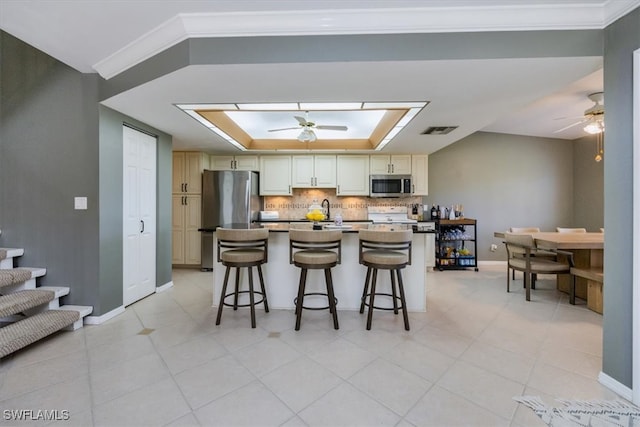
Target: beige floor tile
(342,357)
(56,345)
(572,360)
(420,359)
(440,407)
(267,355)
(389,384)
(482,387)
(154,404)
(188,420)
(110,355)
(205,383)
(346,406)
(514,366)
(112,382)
(26,378)
(449,343)
(564,384)
(301,382)
(192,353)
(252,405)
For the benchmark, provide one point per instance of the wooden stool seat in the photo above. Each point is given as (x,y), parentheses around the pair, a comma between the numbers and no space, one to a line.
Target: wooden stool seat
(384,250)
(242,248)
(315,250)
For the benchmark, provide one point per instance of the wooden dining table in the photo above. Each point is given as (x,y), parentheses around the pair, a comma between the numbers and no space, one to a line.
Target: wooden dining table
(587,250)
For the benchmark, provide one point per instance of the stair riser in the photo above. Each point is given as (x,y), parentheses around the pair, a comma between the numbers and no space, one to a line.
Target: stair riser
(6,264)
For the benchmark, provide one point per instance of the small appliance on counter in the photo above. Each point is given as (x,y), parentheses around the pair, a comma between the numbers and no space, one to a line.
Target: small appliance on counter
(389,215)
(269,215)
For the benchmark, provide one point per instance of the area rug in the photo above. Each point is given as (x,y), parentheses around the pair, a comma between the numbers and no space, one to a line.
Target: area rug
(592,413)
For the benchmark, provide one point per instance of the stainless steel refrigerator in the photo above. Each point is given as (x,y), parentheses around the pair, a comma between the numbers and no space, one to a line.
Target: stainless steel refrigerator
(229,199)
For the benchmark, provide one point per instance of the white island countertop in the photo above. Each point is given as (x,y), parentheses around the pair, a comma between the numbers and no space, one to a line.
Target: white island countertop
(281,277)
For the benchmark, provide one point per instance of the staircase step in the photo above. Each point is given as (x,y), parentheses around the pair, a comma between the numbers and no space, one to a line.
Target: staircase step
(7,255)
(35,272)
(20,334)
(19,302)
(83,310)
(54,304)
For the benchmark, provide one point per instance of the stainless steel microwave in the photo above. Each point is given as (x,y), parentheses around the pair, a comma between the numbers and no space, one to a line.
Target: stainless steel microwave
(390,186)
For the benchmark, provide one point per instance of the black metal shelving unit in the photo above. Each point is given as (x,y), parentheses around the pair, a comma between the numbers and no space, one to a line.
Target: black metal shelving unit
(456,245)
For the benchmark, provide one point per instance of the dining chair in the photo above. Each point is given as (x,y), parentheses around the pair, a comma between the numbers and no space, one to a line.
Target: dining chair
(520,250)
(570,230)
(534,253)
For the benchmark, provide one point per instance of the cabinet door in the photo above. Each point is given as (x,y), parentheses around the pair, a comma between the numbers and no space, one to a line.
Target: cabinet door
(192,237)
(379,165)
(325,171)
(420,173)
(221,163)
(177,229)
(177,180)
(247,163)
(352,175)
(275,175)
(302,171)
(401,164)
(194,166)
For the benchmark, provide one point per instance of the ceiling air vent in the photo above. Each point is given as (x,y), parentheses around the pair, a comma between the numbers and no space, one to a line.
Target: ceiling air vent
(439,130)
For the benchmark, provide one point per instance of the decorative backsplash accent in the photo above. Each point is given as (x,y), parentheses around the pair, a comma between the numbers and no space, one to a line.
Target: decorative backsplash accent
(350,207)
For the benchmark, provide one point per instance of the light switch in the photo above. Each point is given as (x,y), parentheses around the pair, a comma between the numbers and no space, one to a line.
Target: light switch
(80,203)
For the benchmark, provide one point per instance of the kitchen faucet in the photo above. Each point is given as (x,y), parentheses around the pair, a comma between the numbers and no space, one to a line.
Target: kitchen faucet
(328,208)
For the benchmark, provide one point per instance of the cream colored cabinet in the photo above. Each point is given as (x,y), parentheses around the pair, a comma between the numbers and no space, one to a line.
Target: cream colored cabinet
(275,175)
(352,175)
(187,171)
(420,174)
(241,163)
(397,164)
(186,220)
(313,171)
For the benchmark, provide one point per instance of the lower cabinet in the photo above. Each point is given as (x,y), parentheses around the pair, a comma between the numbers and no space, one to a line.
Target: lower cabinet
(187,212)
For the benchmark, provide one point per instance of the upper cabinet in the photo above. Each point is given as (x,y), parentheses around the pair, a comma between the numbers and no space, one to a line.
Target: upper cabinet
(275,175)
(313,171)
(396,164)
(352,173)
(420,173)
(241,163)
(187,171)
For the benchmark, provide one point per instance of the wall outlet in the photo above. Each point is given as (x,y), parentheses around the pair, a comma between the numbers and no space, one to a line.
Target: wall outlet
(80,203)
(494,247)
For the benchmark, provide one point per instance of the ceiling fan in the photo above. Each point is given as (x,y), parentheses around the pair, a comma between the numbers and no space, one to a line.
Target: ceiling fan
(593,116)
(307,134)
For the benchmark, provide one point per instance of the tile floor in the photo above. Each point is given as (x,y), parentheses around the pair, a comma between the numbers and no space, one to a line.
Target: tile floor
(164,362)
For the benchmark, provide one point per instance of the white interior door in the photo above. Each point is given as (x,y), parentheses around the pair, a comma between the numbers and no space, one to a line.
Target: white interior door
(139,215)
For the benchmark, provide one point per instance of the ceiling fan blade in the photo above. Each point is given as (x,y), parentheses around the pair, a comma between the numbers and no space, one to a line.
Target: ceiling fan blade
(276,130)
(329,127)
(301,120)
(570,126)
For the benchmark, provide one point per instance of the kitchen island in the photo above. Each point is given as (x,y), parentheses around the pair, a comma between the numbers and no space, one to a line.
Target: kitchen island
(281,278)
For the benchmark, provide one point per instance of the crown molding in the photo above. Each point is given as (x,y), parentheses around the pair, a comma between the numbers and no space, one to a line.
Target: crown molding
(532,17)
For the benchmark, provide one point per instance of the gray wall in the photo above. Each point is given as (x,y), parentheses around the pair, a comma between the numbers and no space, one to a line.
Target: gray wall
(621,39)
(56,143)
(48,155)
(505,181)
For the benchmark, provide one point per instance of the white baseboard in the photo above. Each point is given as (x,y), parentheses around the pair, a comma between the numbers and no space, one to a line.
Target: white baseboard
(615,386)
(97,320)
(164,287)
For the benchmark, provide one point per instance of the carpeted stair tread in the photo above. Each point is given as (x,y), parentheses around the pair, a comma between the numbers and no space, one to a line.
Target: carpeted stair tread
(14,275)
(20,334)
(20,301)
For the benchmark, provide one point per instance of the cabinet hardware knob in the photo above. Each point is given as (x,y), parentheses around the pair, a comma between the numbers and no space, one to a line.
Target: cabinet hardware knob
(142,226)
(186,187)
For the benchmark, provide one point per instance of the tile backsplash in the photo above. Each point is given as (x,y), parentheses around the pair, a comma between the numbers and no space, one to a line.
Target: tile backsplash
(350,207)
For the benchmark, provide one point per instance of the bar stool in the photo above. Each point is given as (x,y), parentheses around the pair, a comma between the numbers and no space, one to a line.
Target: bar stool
(384,250)
(315,250)
(242,248)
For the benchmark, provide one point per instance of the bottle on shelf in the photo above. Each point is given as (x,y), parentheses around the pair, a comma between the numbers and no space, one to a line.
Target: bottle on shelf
(434,212)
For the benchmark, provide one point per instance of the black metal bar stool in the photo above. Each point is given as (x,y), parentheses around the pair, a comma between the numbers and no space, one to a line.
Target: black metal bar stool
(242,248)
(315,250)
(384,250)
